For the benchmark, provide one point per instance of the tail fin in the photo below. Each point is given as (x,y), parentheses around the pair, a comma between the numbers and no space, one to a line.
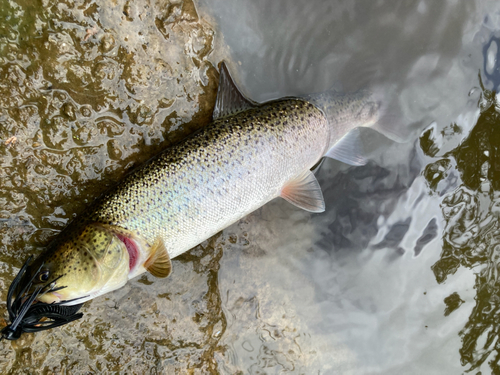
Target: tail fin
(390,121)
(363,108)
(345,114)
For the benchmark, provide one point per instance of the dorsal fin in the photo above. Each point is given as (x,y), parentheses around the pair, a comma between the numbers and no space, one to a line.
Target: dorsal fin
(229,98)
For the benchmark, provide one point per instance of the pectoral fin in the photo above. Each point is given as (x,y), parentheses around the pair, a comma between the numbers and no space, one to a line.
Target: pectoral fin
(158,263)
(304,192)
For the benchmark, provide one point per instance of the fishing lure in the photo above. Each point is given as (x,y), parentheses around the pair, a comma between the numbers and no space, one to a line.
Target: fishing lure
(26,315)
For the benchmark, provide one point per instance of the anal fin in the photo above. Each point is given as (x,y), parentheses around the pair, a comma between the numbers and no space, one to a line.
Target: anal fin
(349,149)
(158,263)
(304,192)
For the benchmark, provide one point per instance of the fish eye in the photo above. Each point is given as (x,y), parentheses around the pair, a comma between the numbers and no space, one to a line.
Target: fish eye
(43,276)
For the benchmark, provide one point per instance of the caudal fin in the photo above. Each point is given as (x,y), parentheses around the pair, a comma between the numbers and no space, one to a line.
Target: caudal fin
(346,113)
(390,122)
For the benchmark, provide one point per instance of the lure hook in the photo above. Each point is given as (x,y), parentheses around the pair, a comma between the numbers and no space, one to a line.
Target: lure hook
(26,315)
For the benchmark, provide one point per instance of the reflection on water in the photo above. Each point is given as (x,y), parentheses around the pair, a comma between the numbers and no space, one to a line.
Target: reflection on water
(471,237)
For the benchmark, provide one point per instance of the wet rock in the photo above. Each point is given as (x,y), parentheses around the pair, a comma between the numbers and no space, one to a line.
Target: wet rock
(92,90)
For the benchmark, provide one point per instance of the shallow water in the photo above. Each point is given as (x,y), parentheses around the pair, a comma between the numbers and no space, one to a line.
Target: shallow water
(399,275)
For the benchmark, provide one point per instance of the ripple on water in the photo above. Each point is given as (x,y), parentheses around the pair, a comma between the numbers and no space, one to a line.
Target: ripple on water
(400,273)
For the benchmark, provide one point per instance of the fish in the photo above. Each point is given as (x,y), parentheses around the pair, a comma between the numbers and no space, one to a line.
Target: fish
(250,154)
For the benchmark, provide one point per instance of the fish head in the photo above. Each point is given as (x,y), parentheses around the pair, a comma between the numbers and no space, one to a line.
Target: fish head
(81,266)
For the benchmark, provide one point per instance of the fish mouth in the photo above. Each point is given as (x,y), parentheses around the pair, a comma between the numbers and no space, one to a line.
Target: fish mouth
(28,315)
(51,297)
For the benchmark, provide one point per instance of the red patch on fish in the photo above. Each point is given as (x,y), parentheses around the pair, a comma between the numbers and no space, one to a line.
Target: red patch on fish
(133,252)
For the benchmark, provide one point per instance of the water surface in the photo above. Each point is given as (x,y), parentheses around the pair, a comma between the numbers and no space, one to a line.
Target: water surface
(399,275)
